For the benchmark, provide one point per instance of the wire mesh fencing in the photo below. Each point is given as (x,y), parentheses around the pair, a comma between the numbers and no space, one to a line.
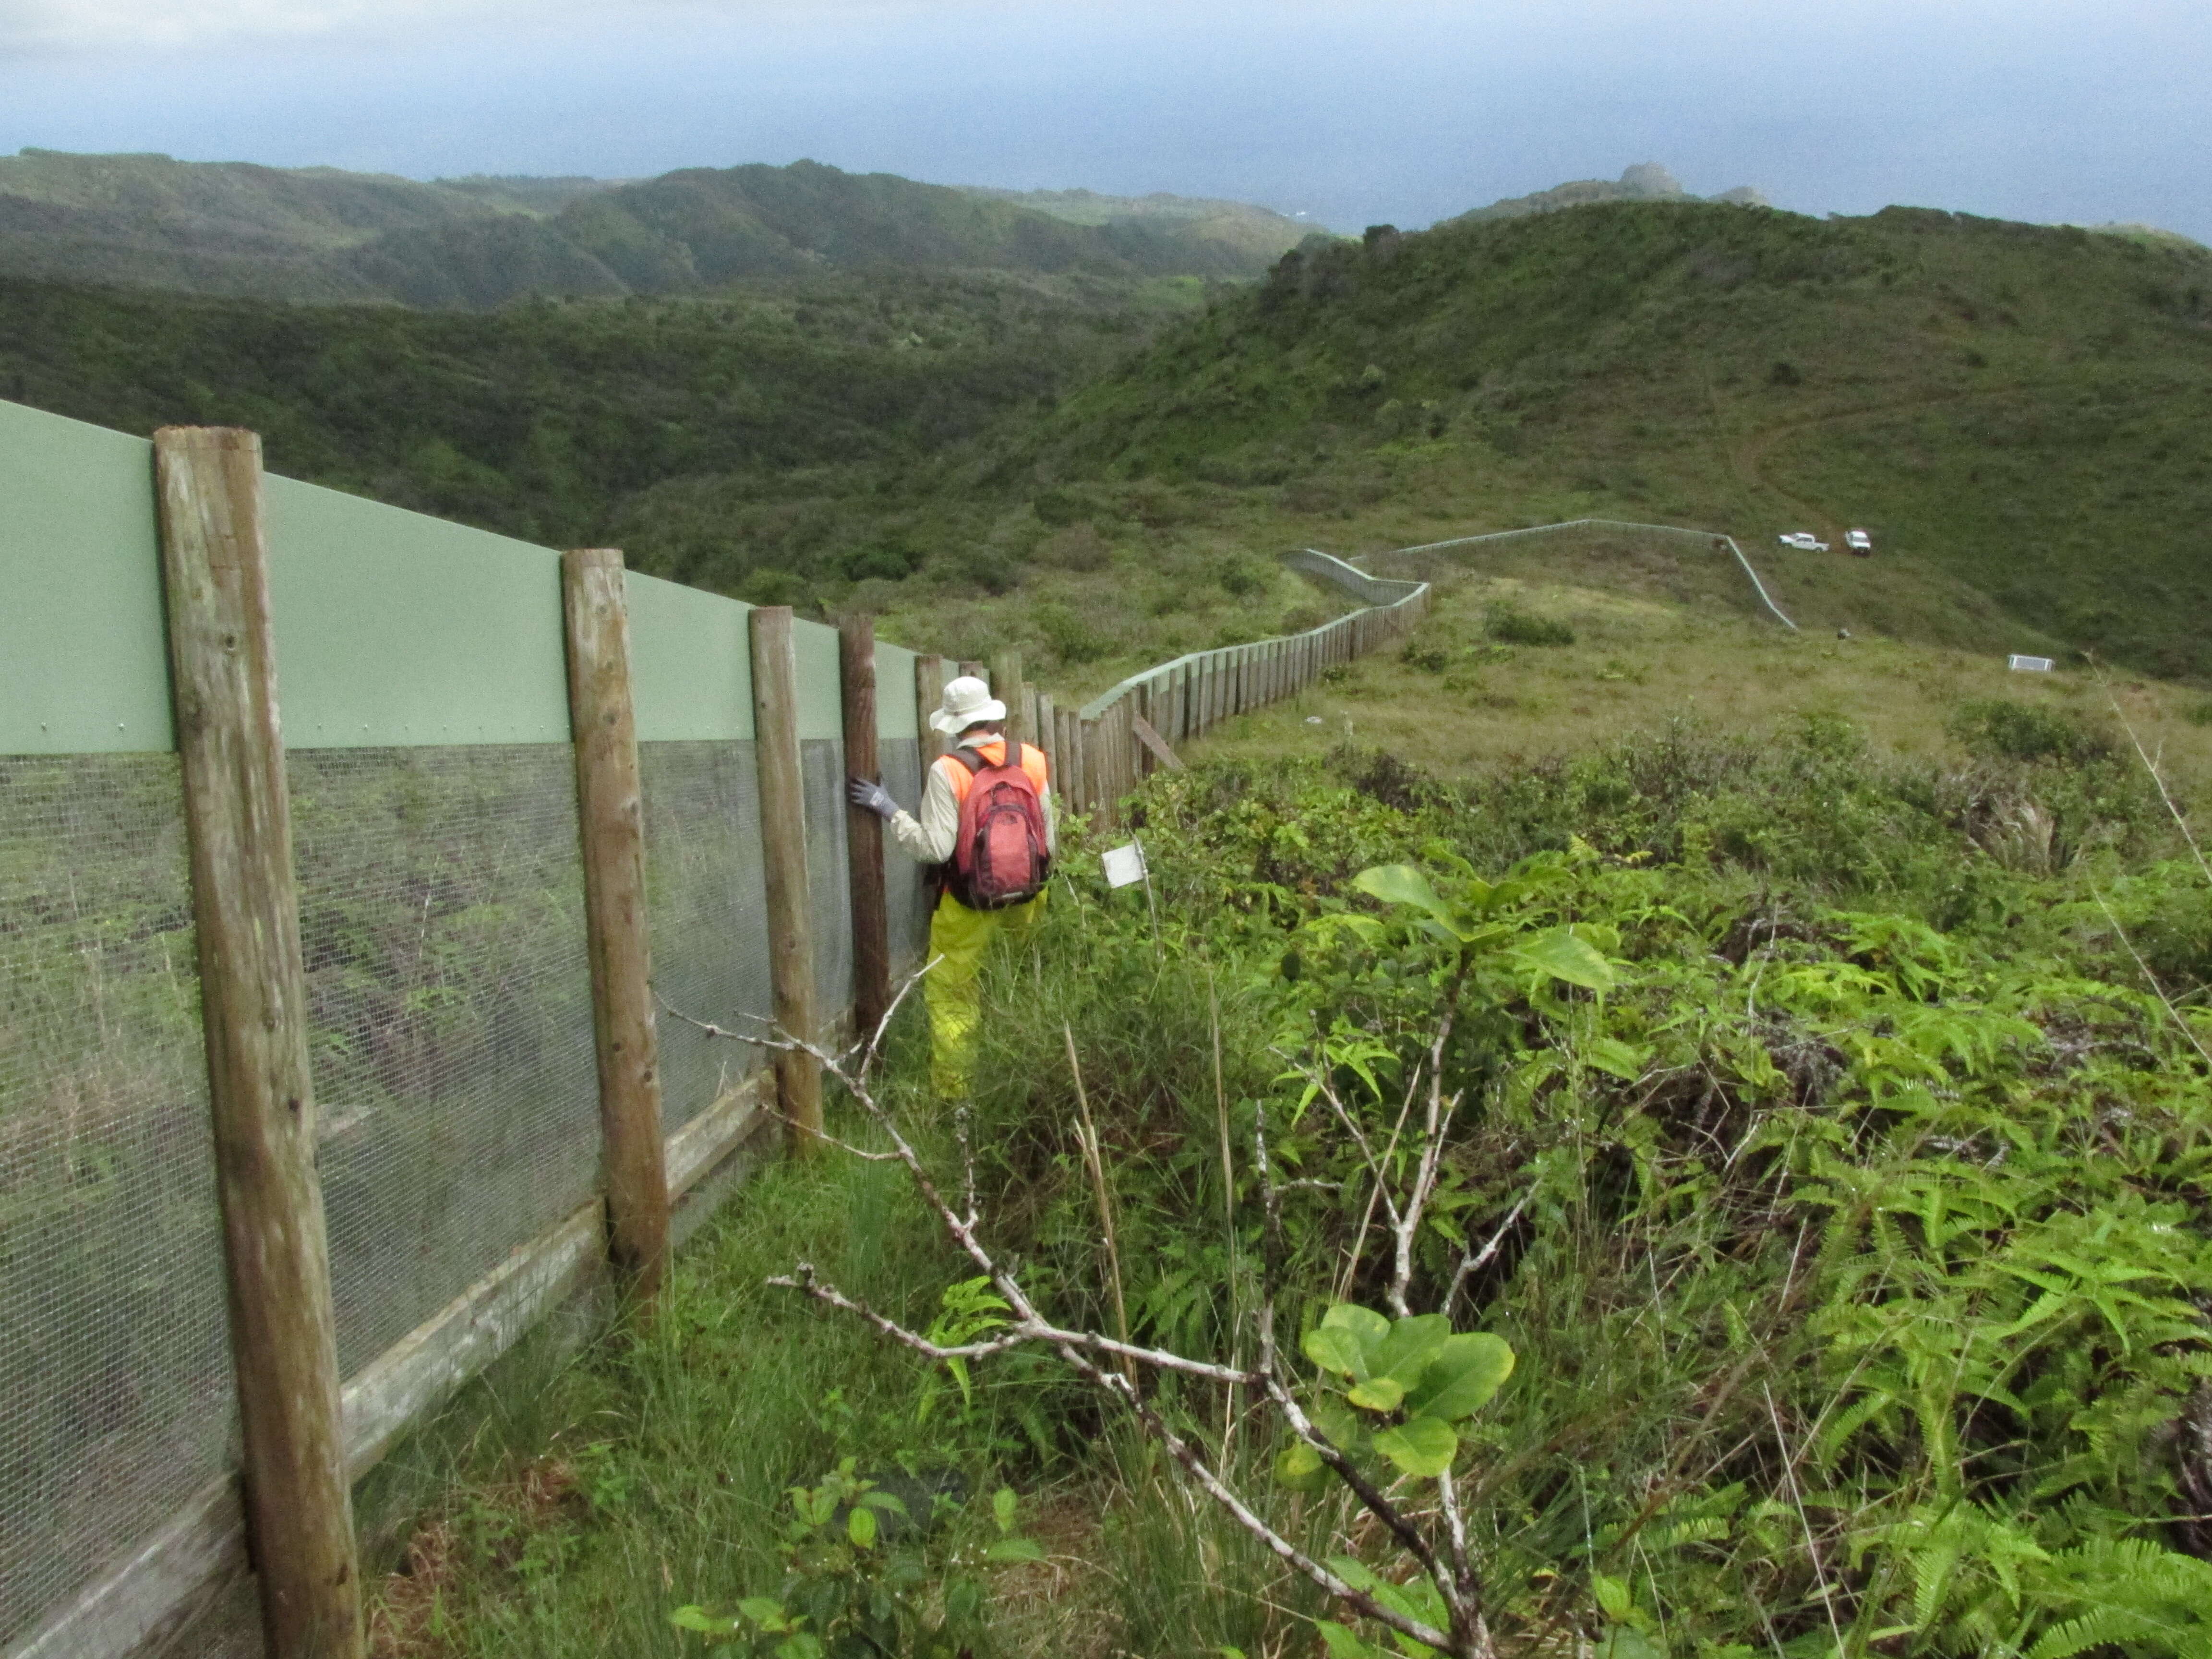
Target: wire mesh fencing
(829,873)
(705,887)
(449,993)
(909,896)
(115,1392)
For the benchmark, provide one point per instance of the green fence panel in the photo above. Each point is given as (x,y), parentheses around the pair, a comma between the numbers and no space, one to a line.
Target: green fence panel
(84,666)
(395,629)
(896,715)
(821,695)
(690,662)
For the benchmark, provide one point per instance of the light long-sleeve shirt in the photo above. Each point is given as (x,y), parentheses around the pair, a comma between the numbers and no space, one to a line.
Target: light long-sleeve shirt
(930,836)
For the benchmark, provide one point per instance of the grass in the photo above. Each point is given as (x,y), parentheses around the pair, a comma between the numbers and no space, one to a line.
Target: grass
(2006,407)
(1660,635)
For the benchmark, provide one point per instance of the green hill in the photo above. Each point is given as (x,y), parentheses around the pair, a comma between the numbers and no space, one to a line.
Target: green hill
(321,234)
(1647,181)
(2016,412)
(547,419)
(1242,232)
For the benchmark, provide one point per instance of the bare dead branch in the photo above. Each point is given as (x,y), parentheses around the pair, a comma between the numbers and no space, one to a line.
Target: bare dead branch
(1474,1260)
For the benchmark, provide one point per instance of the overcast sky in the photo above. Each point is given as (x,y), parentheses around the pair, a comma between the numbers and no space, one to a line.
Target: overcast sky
(1356,112)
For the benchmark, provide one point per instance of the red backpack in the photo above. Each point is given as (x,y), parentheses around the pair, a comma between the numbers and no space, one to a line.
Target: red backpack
(1000,854)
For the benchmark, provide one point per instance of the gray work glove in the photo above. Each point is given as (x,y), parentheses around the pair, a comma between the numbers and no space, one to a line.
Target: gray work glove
(872,796)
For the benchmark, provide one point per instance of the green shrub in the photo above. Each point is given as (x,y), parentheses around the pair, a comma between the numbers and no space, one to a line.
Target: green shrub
(1072,639)
(1505,621)
(1999,729)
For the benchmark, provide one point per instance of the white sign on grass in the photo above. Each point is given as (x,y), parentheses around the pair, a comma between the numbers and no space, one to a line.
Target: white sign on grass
(2021,665)
(1125,865)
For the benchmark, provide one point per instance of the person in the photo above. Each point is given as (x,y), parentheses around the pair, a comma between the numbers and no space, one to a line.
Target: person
(964,923)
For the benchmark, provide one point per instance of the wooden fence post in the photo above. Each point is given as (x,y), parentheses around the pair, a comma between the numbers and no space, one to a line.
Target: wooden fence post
(610,821)
(928,697)
(1048,738)
(864,830)
(1068,773)
(1092,745)
(253,1006)
(783,860)
(1006,687)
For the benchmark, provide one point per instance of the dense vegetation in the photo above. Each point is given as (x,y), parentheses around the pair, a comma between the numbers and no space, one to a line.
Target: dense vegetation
(323,235)
(2012,410)
(2009,405)
(552,420)
(1851,1240)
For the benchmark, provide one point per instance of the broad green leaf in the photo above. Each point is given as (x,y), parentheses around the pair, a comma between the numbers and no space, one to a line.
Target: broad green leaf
(1002,1508)
(1354,1572)
(890,1501)
(1402,884)
(1613,1599)
(1615,1058)
(1405,1353)
(1378,1393)
(805,1645)
(1560,954)
(1367,1327)
(860,1528)
(1343,1428)
(699,1620)
(1627,1642)
(1425,1446)
(1334,1350)
(1341,1643)
(1467,1370)
(1015,1549)
(1298,1466)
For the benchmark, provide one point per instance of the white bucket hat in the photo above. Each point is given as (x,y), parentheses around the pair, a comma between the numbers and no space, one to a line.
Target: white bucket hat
(967,700)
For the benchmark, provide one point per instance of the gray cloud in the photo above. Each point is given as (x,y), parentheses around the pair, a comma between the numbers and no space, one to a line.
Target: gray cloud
(114,26)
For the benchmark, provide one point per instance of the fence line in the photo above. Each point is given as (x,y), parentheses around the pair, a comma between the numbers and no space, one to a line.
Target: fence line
(510,794)
(523,807)
(1188,696)
(1717,538)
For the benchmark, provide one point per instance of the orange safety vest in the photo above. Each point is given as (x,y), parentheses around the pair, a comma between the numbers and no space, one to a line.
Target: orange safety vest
(995,751)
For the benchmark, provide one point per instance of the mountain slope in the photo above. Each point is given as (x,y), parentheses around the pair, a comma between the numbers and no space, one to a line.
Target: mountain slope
(321,234)
(2015,411)
(1647,181)
(546,419)
(1242,232)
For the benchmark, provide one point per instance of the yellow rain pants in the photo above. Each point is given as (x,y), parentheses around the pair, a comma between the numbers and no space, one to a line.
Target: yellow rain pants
(953,989)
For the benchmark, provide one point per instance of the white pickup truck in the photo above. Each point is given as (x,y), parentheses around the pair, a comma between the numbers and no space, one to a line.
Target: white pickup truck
(1804,541)
(1857,541)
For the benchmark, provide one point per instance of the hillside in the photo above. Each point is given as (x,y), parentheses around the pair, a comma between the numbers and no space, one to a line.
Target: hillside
(322,235)
(1243,231)
(1647,181)
(552,420)
(2015,411)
